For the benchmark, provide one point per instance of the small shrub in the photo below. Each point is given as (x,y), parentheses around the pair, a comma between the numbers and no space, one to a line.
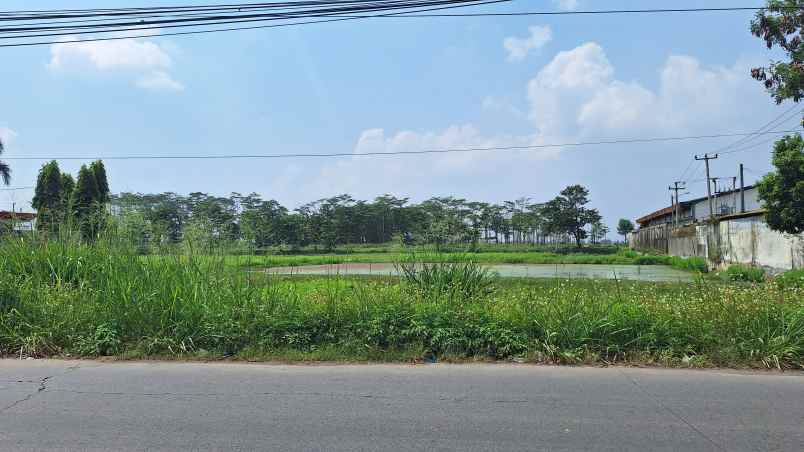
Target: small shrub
(693,263)
(791,279)
(743,273)
(104,342)
(465,280)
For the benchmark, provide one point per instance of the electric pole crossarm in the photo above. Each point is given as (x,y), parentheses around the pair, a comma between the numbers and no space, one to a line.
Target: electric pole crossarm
(676,205)
(706,158)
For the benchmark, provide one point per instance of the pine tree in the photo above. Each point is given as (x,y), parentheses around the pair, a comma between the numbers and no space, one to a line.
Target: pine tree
(84,203)
(67,187)
(99,171)
(47,198)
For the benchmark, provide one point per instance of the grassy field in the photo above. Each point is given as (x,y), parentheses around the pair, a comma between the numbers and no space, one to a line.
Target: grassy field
(393,247)
(62,298)
(618,257)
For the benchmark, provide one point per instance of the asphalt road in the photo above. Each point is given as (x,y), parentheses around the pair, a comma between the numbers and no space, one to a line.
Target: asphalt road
(86,405)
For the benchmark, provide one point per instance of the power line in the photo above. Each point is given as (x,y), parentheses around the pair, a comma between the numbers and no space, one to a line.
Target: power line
(779,119)
(165,21)
(390,153)
(113,12)
(337,16)
(16,188)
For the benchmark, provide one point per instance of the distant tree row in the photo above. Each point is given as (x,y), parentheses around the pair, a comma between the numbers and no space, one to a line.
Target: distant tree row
(62,201)
(202,218)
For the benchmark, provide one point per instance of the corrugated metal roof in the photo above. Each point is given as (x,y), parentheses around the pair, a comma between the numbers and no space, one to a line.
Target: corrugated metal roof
(669,210)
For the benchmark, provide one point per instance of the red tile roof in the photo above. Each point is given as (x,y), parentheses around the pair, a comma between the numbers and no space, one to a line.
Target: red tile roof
(658,214)
(21,216)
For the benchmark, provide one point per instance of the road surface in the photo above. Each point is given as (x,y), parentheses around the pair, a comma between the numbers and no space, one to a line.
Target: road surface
(87,405)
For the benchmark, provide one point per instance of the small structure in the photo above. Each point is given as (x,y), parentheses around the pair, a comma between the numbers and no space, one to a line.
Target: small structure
(696,210)
(737,234)
(16,221)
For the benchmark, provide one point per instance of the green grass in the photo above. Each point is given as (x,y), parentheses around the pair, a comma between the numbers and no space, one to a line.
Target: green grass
(791,279)
(60,298)
(743,273)
(622,257)
(397,248)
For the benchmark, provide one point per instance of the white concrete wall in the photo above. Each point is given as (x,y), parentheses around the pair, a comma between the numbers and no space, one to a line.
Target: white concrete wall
(750,241)
(746,240)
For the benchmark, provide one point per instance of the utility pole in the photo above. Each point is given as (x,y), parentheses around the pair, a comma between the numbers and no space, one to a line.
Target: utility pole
(672,207)
(677,205)
(742,190)
(716,194)
(706,158)
(734,194)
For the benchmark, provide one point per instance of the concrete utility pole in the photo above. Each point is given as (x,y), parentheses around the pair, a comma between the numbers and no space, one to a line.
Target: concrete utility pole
(716,195)
(706,158)
(742,190)
(677,205)
(734,194)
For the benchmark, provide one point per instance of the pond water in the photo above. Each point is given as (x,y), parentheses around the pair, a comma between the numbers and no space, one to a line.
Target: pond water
(659,273)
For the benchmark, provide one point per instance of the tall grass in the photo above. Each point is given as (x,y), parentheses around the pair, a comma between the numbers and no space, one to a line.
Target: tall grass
(457,281)
(64,297)
(743,273)
(791,279)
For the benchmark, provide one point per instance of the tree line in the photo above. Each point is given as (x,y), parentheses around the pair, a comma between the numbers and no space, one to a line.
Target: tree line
(61,201)
(339,220)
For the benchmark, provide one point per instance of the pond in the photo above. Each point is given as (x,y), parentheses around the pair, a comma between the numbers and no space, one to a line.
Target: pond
(658,273)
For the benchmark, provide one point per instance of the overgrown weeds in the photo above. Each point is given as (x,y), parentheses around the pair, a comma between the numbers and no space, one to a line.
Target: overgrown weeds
(457,281)
(791,279)
(62,297)
(743,273)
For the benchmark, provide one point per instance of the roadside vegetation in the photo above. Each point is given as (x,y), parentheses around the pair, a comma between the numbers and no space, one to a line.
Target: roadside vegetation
(743,273)
(63,297)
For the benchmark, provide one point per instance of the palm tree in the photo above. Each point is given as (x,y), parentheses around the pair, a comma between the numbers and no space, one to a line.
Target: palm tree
(5,170)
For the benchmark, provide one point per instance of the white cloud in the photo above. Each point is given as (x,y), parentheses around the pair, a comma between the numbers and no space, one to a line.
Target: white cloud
(159,80)
(146,60)
(566,5)
(577,94)
(7,135)
(416,175)
(518,48)
(575,97)
(108,55)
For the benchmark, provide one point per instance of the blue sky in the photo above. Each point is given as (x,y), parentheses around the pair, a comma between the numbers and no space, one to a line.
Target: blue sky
(400,84)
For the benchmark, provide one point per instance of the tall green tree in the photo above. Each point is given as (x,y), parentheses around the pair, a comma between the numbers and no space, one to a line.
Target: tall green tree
(5,170)
(780,25)
(598,231)
(67,187)
(625,227)
(84,203)
(782,191)
(48,198)
(99,171)
(568,214)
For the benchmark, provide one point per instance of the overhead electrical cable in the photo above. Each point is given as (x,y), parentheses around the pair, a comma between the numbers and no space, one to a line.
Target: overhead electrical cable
(107,20)
(779,119)
(393,153)
(445,4)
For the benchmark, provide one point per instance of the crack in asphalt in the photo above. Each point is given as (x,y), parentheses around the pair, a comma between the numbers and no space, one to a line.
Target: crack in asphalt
(672,412)
(41,388)
(291,394)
